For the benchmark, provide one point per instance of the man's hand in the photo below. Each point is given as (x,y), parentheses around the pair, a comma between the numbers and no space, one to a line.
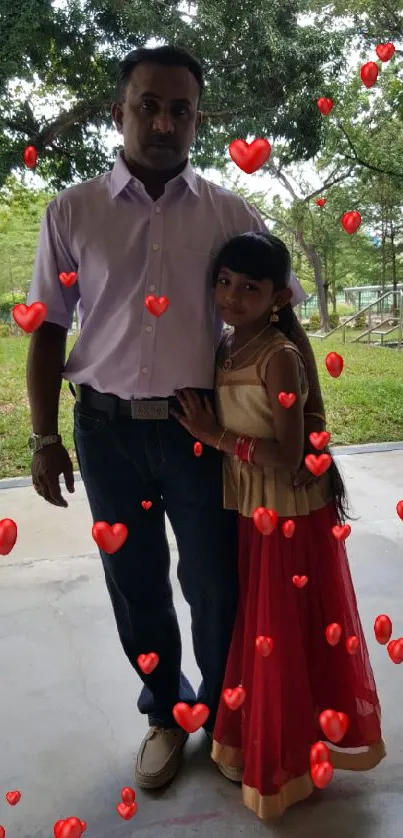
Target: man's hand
(199,418)
(47,465)
(304,477)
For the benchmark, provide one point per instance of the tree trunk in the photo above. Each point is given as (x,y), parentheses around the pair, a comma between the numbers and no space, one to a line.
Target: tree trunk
(394,273)
(333,283)
(383,255)
(314,259)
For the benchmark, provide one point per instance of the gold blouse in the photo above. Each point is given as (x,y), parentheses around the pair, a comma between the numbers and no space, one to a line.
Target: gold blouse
(244,408)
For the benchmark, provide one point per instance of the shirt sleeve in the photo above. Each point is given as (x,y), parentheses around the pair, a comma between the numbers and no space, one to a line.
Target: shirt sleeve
(53,257)
(259,226)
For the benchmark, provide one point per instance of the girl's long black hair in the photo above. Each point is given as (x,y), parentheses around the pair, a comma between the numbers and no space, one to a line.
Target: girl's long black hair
(264,256)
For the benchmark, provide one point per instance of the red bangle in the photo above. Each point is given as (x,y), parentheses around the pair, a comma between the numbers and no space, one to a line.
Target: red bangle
(238,446)
(251,451)
(245,449)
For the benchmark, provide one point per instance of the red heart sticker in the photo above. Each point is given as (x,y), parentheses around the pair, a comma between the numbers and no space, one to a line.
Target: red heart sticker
(319,753)
(198,449)
(265,520)
(264,645)
(334,725)
(250,157)
(324,105)
(322,774)
(369,73)
(352,644)
(333,634)
(156,305)
(385,51)
(288,528)
(321,202)
(29,318)
(300,581)
(318,464)
(190,718)
(68,279)
(30,156)
(334,364)
(148,663)
(69,828)
(109,538)
(13,797)
(126,812)
(395,650)
(383,629)
(399,509)
(351,221)
(146,504)
(319,440)
(234,698)
(341,533)
(8,536)
(128,795)
(287,399)
(2,832)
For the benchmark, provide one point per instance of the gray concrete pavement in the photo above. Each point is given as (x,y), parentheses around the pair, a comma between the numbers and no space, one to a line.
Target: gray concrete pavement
(69,725)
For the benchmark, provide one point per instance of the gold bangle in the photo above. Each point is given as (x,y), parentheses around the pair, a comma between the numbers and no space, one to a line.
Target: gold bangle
(221,438)
(317,416)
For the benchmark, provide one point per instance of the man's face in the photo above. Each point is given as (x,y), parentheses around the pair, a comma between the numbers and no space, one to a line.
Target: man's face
(159,118)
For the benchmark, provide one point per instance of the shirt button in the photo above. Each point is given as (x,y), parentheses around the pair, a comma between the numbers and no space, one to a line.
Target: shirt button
(158,210)
(149,329)
(152,288)
(144,370)
(156,247)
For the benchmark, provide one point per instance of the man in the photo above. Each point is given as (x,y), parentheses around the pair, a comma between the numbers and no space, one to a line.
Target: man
(151,226)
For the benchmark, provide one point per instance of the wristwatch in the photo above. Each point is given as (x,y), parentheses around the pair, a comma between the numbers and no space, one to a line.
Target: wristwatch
(36,441)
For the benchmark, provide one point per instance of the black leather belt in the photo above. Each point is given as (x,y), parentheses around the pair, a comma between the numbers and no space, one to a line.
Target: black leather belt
(147,409)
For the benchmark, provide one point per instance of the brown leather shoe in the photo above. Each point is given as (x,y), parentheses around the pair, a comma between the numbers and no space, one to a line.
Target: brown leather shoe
(159,757)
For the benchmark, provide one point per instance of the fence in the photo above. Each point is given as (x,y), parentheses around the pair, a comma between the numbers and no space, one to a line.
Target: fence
(355,298)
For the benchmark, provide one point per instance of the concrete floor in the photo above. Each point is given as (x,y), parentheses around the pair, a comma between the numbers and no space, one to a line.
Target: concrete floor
(69,726)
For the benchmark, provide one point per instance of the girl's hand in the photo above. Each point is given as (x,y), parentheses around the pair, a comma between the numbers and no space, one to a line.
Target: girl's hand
(199,419)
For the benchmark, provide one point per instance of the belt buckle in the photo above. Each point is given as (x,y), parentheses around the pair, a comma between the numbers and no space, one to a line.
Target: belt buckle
(149,410)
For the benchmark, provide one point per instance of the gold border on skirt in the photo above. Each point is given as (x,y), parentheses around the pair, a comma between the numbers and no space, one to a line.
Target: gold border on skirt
(268,807)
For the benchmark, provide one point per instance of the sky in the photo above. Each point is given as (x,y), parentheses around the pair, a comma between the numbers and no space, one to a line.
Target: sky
(255,182)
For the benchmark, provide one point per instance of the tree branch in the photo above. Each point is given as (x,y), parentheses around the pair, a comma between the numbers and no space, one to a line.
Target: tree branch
(396,19)
(51,131)
(358,160)
(282,223)
(330,181)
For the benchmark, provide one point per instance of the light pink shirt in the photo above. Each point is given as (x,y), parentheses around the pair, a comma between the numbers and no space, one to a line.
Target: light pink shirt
(125,246)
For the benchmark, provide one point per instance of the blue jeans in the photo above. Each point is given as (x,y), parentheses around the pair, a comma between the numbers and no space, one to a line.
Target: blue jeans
(122,462)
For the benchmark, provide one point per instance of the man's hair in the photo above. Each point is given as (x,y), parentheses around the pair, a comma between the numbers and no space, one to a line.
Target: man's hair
(167,56)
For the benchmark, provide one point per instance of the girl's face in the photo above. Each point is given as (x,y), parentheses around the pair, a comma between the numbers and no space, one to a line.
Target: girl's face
(242,300)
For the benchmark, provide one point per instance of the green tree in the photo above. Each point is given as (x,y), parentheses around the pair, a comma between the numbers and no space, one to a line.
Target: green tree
(264,73)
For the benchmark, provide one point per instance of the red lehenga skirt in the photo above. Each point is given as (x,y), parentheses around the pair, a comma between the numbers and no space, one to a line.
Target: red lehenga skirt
(271,734)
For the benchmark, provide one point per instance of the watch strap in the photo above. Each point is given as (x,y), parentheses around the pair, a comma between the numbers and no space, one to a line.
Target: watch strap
(39,441)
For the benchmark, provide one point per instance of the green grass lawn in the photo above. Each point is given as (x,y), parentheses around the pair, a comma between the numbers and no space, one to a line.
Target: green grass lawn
(364,405)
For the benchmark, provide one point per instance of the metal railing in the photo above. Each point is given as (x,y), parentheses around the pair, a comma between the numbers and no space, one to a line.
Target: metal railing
(370,329)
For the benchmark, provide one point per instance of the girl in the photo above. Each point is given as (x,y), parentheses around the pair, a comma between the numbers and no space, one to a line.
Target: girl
(296,593)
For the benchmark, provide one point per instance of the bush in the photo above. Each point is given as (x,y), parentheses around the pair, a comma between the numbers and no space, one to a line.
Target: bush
(5,330)
(7,303)
(360,321)
(345,311)
(334,319)
(314,322)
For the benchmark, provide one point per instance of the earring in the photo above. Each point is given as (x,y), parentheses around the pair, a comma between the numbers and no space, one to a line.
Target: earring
(274,318)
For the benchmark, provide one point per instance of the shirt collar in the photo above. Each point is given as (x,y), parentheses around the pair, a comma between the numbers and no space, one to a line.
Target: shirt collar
(122,177)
